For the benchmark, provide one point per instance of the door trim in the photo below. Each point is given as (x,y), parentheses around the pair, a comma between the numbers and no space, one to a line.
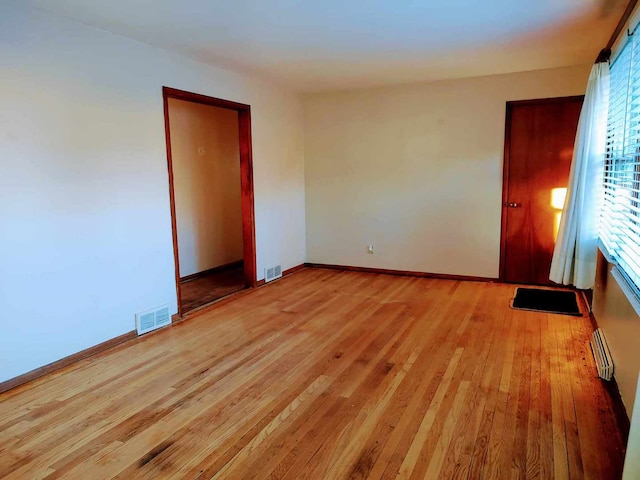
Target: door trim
(246,180)
(505,168)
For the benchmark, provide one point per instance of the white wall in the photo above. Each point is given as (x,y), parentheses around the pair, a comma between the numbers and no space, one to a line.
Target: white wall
(632,460)
(415,170)
(205,155)
(86,234)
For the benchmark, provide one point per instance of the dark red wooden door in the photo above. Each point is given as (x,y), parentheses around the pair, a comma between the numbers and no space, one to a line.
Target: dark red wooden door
(538,150)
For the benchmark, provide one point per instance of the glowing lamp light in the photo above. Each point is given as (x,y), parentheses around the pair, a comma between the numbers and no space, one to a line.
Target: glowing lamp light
(557,197)
(557,201)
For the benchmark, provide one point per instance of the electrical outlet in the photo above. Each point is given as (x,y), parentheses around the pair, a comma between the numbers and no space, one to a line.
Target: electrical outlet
(370,249)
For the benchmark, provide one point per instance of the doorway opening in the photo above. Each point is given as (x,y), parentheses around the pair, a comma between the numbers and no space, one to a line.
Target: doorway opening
(211,195)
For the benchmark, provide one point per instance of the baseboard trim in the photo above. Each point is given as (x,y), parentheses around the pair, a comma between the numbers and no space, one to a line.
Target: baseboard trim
(403,273)
(101,347)
(286,272)
(219,268)
(66,361)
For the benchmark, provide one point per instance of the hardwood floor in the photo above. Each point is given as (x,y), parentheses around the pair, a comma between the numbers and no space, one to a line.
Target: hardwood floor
(205,289)
(327,375)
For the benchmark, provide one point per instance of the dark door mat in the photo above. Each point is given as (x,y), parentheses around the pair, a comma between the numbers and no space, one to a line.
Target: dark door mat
(550,301)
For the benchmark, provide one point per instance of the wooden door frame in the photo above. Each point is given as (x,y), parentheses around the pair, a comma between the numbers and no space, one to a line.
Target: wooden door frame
(505,167)
(246,179)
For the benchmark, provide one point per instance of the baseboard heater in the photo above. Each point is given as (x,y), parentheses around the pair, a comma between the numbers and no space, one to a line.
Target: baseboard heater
(602,355)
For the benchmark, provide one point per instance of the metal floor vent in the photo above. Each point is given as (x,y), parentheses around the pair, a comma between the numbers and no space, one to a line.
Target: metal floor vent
(602,355)
(152,319)
(271,273)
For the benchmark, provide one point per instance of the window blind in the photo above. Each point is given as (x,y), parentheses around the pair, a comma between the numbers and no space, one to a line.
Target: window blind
(620,218)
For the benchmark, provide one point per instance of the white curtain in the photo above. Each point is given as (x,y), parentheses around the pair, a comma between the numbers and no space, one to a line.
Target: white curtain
(574,256)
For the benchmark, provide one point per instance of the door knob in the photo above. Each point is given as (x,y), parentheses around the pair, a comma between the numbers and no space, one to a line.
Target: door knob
(512,204)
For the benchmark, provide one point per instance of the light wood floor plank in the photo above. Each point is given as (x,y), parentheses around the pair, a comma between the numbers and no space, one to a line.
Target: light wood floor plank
(328,375)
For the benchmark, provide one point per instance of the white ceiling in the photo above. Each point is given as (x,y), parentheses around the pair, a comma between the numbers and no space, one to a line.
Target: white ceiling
(315,45)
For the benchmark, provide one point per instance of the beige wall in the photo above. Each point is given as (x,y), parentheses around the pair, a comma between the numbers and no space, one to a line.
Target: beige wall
(415,170)
(205,154)
(621,327)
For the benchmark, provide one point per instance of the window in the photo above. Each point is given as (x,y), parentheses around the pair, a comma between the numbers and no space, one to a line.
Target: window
(620,221)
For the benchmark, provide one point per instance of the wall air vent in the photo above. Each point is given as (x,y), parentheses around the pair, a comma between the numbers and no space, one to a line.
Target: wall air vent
(271,273)
(152,319)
